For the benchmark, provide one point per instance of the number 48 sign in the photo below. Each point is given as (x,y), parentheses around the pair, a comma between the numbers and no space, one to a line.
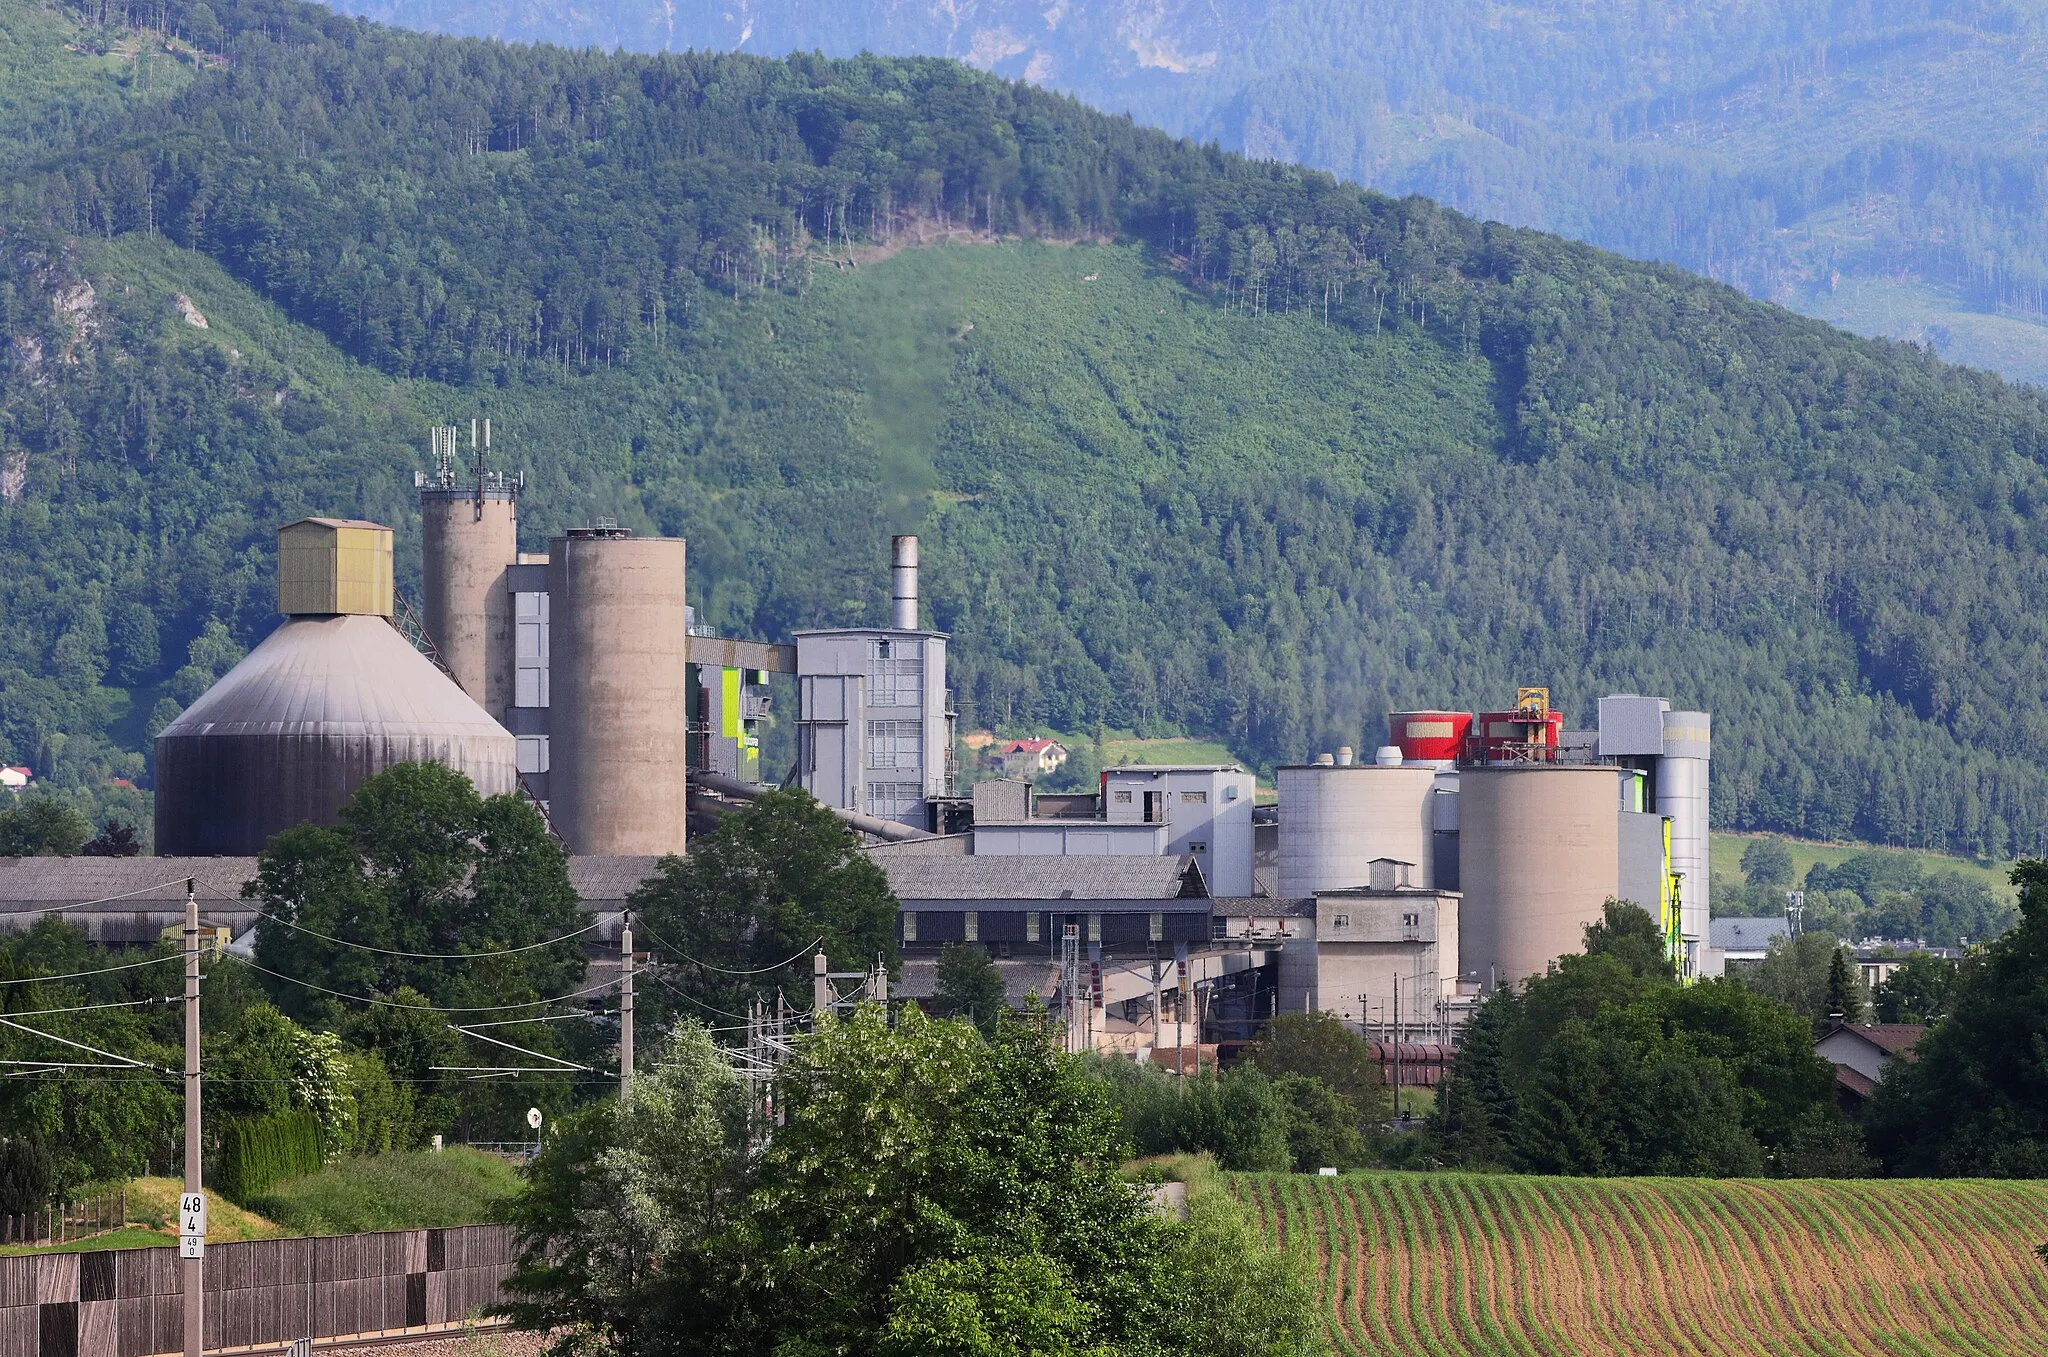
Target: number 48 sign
(192,1225)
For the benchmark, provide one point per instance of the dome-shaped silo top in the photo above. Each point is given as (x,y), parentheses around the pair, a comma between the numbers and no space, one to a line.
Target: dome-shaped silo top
(290,733)
(351,674)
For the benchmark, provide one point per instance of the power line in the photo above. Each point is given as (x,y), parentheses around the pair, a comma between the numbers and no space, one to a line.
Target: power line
(87,1008)
(109,899)
(427,1008)
(722,970)
(424,956)
(104,970)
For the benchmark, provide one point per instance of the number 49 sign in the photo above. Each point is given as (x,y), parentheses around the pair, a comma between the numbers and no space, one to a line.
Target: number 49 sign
(192,1225)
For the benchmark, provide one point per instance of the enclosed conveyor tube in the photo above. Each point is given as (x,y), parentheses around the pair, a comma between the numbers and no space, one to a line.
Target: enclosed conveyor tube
(891,830)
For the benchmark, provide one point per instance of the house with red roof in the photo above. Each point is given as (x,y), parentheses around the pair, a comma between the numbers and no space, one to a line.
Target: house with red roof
(1024,758)
(1861,1052)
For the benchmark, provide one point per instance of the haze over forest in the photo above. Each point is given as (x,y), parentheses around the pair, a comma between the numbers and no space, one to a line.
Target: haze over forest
(1197,444)
(1878,164)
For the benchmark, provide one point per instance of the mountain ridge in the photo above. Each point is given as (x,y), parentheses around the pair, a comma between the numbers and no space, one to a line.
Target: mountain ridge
(1280,456)
(1892,146)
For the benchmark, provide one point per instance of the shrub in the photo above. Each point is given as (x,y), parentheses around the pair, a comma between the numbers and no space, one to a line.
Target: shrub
(257,1152)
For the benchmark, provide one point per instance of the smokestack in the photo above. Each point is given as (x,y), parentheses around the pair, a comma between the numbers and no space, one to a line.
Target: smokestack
(903,583)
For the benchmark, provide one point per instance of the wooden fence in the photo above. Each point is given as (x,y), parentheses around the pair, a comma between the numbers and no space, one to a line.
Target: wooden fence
(59,1224)
(126,1302)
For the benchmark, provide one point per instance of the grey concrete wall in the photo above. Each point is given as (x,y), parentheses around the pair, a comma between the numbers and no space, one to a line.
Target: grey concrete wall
(1538,858)
(468,610)
(620,704)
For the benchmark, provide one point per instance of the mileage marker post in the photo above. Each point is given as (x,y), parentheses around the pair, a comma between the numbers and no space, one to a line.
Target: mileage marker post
(192,1203)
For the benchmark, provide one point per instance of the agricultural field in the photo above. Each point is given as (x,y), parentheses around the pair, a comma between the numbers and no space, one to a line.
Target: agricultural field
(1440,1264)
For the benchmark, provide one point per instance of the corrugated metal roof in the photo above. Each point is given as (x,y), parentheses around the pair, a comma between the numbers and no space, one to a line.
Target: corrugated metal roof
(597,877)
(1263,907)
(44,883)
(33,884)
(1039,876)
(344,675)
(1745,935)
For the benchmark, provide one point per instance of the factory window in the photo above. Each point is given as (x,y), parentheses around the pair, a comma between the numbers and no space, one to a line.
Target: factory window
(973,926)
(895,675)
(1123,798)
(1156,927)
(894,800)
(1031,927)
(910,928)
(895,744)
(1411,921)
(1095,928)
(533,753)
(1340,921)
(1194,798)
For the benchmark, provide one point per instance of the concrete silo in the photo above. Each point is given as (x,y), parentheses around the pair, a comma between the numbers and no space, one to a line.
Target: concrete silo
(1682,785)
(1335,818)
(619,719)
(1538,858)
(469,535)
(331,697)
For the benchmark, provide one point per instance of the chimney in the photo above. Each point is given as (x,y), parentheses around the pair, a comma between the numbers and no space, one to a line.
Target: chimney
(903,583)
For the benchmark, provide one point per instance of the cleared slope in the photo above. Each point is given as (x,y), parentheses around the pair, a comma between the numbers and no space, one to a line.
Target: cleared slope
(1431,1264)
(1283,456)
(1726,136)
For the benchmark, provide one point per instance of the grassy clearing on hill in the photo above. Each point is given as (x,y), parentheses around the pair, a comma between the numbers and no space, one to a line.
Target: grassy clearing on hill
(1726,860)
(392,1192)
(1482,1264)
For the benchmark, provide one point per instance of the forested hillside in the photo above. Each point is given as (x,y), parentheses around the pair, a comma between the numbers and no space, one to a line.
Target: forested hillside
(1877,163)
(1196,443)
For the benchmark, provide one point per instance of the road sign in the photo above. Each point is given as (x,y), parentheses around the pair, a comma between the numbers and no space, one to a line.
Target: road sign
(533,1117)
(192,1213)
(191,1246)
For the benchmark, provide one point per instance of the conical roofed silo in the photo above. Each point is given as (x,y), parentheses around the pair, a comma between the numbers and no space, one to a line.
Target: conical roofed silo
(331,697)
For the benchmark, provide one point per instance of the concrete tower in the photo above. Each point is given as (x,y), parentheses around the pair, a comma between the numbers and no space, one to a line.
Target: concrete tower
(471,534)
(619,706)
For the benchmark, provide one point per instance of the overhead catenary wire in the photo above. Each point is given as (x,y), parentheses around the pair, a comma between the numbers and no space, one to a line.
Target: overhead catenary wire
(425,956)
(76,1045)
(429,1008)
(109,899)
(678,955)
(104,970)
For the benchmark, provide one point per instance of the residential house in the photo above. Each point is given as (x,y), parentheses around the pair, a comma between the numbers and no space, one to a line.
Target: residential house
(1861,1052)
(1026,758)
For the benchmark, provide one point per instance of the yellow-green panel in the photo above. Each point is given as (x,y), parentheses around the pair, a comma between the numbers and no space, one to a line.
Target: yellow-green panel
(729,703)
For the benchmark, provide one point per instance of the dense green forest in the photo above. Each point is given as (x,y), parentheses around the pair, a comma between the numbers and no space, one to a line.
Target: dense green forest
(1874,162)
(1196,443)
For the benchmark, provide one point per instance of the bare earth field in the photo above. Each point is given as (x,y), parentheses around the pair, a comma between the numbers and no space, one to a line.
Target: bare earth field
(1436,1264)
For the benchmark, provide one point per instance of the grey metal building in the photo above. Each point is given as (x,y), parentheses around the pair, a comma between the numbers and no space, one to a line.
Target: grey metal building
(874,724)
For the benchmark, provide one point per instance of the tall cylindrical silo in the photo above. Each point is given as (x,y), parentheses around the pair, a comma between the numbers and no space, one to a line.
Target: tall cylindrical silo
(1336,818)
(619,723)
(470,534)
(1682,786)
(1538,858)
(331,697)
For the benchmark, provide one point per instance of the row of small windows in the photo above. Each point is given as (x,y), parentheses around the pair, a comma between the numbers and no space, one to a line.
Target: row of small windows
(1007,925)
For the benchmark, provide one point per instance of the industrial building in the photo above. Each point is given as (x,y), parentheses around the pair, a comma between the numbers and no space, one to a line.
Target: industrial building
(332,696)
(1467,853)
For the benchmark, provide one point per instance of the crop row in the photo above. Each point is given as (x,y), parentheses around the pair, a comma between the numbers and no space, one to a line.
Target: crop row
(1445,1265)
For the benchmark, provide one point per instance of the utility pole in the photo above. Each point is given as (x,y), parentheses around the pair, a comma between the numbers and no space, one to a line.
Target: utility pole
(821,988)
(1397,1048)
(625,1004)
(193,1256)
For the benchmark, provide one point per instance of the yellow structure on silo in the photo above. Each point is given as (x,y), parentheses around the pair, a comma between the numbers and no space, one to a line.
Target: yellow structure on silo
(333,566)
